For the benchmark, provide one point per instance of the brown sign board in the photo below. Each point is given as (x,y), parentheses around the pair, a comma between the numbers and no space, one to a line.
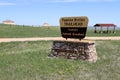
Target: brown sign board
(73,27)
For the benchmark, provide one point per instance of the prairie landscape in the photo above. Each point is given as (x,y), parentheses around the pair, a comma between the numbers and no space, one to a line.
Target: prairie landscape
(29,60)
(22,31)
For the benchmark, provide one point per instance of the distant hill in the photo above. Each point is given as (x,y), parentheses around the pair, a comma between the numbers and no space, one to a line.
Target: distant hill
(28,31)
(21,31)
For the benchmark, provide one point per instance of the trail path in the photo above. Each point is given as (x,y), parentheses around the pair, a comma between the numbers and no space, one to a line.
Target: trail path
(53,38)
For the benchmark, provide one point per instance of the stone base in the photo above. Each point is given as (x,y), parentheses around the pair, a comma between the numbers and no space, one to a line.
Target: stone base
(83,50)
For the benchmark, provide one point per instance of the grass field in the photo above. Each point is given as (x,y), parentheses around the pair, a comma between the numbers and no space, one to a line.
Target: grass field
(12,31)
(29,61)
(90,33)
(17,31)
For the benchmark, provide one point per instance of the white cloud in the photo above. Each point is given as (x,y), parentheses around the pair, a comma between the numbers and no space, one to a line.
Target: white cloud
(64,0)
(15,2)
(99,0)
(6,3)
(82,0)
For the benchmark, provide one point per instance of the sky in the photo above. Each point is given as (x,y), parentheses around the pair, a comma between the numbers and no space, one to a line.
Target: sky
(37,12)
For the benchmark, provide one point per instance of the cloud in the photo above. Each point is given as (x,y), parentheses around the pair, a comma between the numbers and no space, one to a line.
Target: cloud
(83,0)
(98,0)
(17,2)
(6,3)
(64,0)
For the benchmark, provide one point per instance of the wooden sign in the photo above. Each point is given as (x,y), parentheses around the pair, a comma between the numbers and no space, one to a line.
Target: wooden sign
(73,27)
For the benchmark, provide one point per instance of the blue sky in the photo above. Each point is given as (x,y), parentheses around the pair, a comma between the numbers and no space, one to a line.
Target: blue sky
(36,12)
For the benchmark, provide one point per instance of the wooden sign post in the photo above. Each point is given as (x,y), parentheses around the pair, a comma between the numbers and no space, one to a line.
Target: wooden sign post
(73,27)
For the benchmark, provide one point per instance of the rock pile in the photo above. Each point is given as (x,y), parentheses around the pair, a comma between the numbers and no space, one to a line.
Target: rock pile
(74,50)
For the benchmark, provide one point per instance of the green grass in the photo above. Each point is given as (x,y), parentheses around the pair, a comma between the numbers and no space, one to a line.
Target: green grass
(12,31)
(90,33)
(19,31)
(29,61)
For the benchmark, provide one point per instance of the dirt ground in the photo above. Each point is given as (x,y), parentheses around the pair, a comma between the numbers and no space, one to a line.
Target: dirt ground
(54,38)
